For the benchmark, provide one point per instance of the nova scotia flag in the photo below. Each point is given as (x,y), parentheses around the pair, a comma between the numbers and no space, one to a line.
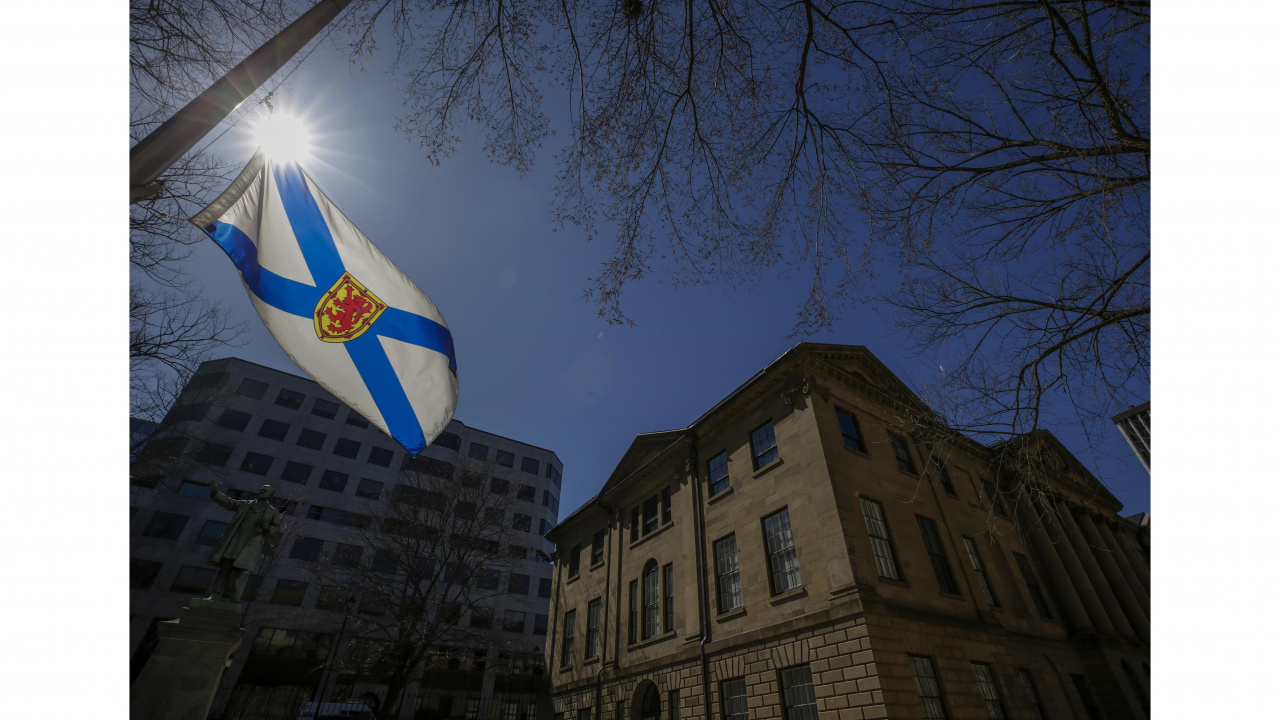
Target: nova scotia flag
(341,310)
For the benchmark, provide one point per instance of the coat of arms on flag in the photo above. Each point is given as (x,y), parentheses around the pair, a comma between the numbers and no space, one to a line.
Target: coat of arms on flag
(339,308)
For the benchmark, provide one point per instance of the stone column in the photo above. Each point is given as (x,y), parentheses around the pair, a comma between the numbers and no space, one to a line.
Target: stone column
(1129,545)
(179,681)
(1130,572)
(1079,579)
(1067,600)
(1106,597)
(1133,611)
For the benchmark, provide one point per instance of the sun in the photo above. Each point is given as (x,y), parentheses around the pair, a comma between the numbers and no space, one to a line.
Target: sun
(283,137)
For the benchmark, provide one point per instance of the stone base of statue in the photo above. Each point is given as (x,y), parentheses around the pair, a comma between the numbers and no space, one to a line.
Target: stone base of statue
(179,680)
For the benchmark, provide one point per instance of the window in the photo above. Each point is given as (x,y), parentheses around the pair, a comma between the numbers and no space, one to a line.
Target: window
(213,454)
(166,526)
(355,420)
(447,440)
(273,429)
(554,473)
(142,573)
(651,704)
(450,614)
(211,533)
(331,599)
(252,389)
(325,409)
(902,453)
(1033,697)
(333,480)
(650,514)
(380,456)
(527,493)
(234,420)
(798,700)
(850,433)
(544,587)
(386,561)
(464,510)
(476,451)
(632,612)
(566,644)
(498,486)
(193,580)
(764,447)
(1086,697)
(521,522)
(718,473)
(518,584)
(347,556)
(574,554)
(529,465)
(666,505)
(518,552)
(482,617)
(993,497)
(514,621)
(597,548)
(256,463)
(296,472)
(1033,585)
(550,501)
(984,582)
(251,588)
(784,567)
(989,690)
(651,595)
(1138,690)
(881,544)
(668,598)
(290,399)
(346,448)
(367,488)
(193,412)
(206,381)
(473,708)
(937,555)
(289,592)
(593,628)
(635,524)
(193,489)
(733,699)
(505,459)
(943,477)
(728,584)
(930,690)
(306,549)
(429,466)
(539,624)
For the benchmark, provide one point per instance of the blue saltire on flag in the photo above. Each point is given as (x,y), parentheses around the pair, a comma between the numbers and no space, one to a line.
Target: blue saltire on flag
(340,309)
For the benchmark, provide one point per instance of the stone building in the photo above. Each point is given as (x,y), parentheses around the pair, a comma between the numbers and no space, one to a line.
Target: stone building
(814,547)
(245,425)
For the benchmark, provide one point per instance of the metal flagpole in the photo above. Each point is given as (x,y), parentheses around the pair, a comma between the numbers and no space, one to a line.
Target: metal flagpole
(166,144)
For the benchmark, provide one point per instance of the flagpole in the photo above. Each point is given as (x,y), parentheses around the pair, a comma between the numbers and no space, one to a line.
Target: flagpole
(158,151)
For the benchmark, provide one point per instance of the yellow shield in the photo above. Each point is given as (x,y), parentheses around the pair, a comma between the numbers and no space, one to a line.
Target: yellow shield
(346,311)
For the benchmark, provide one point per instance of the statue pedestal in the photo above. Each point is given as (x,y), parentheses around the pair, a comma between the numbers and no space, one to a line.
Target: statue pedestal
(179,680)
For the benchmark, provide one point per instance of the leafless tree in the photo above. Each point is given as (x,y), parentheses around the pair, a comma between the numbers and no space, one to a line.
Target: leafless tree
(430,555)
(982,169)
(176,49)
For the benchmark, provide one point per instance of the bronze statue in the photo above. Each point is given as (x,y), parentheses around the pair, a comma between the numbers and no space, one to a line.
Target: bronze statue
(236,552)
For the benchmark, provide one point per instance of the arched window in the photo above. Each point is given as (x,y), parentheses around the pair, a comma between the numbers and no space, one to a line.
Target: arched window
(650,582)
(651,703)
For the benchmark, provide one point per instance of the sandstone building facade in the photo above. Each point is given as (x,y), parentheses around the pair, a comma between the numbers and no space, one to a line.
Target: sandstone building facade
(244,425)
(815,547)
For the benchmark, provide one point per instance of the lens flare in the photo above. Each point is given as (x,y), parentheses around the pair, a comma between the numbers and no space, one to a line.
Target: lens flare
(283,137)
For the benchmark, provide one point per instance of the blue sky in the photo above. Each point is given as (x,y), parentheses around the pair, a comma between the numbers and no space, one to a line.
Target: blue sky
(535,362)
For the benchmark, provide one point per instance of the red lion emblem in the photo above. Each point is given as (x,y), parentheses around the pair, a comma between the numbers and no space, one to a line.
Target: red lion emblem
(346,311)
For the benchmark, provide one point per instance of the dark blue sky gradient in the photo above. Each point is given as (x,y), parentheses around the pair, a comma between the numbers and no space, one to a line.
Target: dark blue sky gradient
(534,361)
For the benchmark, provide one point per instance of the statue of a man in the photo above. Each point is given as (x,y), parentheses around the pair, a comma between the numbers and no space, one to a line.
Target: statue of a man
(236,553)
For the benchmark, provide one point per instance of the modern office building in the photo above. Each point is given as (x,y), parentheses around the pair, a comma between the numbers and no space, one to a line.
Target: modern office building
(1135,425)
(245,425)
(815,546)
